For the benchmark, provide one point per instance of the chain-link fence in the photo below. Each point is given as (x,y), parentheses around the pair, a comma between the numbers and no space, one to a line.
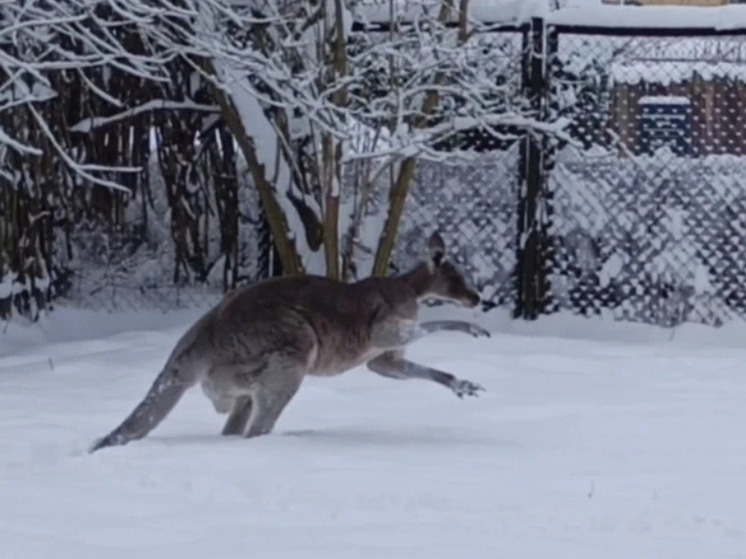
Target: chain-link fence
(134,265)
(475,208)
(474,201)
(648,201)
(638,213)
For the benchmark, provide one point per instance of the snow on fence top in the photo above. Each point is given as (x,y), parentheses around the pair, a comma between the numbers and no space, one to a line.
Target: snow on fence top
(666,73)
(518,12)
(652,17)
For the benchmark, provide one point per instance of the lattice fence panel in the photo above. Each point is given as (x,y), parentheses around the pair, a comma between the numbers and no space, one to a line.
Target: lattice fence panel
(648,201)
(475,207)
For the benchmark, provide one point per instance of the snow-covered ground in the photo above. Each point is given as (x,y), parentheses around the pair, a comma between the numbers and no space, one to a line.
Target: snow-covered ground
(592,440)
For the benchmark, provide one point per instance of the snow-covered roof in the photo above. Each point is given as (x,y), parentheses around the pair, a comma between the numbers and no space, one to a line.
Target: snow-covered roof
(664,100)
(666,72)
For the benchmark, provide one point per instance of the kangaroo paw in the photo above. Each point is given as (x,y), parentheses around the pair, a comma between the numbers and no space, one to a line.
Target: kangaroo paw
(466,388)
(479,332)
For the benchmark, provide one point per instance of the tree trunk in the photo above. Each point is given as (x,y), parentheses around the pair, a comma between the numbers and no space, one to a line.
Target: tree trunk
(291,263)
(400,188)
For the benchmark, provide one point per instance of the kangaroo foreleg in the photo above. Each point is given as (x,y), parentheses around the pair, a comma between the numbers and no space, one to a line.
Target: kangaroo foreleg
(425,328)
(393,365)
(455,326)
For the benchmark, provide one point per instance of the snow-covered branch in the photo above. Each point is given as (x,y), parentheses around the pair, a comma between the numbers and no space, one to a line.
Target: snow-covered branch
(301,93)
(153,105)
(42,40)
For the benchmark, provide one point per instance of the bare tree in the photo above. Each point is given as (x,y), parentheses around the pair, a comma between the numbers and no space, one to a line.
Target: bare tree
(296,90)
(304,99)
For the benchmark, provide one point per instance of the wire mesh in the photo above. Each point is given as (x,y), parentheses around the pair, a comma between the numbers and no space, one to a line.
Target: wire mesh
(648,201)
(472,198)
(474,208)
(132,268)
(643,208)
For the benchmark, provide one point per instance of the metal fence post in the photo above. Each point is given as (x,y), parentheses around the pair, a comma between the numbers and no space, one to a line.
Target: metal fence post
(550,111)
(530,274)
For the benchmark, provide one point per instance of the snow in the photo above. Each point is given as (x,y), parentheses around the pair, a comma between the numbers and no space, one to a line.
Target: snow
(155,104)
(669,72)
(647,17)
(590,13)
(593,439)
(6,285)
(492,11)
(663,100)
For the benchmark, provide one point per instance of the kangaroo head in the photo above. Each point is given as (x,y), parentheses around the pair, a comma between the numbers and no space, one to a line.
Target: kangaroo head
(446,281)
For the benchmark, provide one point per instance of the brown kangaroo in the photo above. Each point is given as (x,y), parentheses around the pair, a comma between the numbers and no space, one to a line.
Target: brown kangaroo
(252,350)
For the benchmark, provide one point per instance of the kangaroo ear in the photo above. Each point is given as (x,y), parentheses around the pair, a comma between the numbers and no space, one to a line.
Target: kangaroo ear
(437,249)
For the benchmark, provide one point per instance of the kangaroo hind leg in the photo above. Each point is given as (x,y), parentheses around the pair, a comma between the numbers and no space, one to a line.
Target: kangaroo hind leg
(266,408)
(230,387)
(265,389)
(260,393)
(274,390)
(239,417)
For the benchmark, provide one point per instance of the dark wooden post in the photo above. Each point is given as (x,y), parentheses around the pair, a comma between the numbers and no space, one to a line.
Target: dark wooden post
(531,268)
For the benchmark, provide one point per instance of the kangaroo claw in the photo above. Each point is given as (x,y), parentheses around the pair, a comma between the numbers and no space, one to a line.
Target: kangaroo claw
(479,332)
(466,388)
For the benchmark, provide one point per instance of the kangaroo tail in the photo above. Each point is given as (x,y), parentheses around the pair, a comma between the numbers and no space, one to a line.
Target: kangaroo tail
(183,369)
(166,391)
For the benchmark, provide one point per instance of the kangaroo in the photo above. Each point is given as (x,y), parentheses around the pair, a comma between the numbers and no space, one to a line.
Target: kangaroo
(251,352)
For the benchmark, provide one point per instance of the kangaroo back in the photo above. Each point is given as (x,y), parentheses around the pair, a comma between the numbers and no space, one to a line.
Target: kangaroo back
(181,372)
